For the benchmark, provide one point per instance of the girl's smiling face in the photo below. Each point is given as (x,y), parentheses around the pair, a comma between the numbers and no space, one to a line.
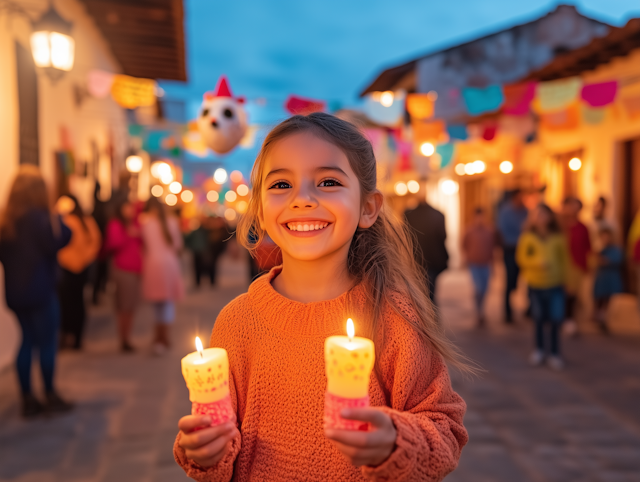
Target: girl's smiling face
(311,198)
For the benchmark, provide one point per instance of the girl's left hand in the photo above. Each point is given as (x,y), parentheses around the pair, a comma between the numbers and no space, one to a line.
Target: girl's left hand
(365,448)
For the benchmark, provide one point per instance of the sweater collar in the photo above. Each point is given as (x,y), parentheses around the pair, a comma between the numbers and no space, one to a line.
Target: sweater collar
(324,318)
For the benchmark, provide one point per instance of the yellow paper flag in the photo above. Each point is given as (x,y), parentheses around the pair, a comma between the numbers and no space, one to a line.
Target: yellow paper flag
(131,92)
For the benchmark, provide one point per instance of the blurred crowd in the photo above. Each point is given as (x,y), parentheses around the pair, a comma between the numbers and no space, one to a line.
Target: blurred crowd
(558,256)
(50,254)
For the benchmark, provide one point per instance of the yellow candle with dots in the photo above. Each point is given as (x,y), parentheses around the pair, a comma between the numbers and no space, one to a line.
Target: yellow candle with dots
(348,361)
(206,372)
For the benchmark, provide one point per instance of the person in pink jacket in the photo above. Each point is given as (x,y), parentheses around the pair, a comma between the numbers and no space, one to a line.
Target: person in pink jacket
(162,282)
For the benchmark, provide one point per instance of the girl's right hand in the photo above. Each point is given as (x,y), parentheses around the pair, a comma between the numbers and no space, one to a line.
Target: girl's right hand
(206,446)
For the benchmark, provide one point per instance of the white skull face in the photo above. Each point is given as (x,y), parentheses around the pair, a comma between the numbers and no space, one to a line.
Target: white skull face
(222,123)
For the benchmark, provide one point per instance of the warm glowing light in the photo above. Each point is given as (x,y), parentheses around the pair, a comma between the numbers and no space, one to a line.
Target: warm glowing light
(460,169)
(479,166)
(427,149)
(230,196)
(236,176)
(575,164)
(469,169)
(432,95)
(351,330)
(171,199)
(134,164)
(175,187)
(199,345)
(220,176)
(242,206)
(400,188)
(186,196)
(166,178)
(157,190)
(159,169)
(230,214)
(386,98)
(413,186)
(242,190)
(53,49)
(506,167)
(449,187)
(213,196)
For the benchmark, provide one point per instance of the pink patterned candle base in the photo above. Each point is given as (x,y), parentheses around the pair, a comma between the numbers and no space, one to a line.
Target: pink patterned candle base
(334,404)
(220,411)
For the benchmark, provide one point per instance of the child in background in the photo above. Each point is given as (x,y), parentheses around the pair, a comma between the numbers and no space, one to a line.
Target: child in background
(608,280)
(542,257)
(343,256)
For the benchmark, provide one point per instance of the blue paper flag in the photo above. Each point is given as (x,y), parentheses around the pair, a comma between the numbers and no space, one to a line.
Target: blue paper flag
(479,101)
(446,152)
(457,131)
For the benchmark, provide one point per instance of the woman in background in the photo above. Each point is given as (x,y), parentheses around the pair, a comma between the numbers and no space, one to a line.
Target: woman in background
(542,256)
(124,242)
(162,282)
(74,260)
(30,237)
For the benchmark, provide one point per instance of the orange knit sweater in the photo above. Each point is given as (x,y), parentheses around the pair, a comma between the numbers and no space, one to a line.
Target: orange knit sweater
(278,383)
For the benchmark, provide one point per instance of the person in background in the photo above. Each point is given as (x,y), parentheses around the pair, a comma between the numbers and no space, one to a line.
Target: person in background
(124,242)
(579,244)
(218,237)
(608,282)
(162,282)
(477,245)
(427,223)
(542,255)
(101,272)
(511,218)
(197,241)
(74,260)
(30,237)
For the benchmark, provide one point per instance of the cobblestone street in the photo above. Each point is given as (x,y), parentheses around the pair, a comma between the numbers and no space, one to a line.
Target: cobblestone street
(525,424)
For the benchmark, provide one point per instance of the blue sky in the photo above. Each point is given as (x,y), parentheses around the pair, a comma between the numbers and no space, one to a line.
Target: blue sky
(331,49)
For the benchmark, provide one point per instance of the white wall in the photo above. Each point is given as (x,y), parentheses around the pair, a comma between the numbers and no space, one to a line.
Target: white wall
(99,120)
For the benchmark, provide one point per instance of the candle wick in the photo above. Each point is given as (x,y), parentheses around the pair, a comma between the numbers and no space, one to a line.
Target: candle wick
(201,355)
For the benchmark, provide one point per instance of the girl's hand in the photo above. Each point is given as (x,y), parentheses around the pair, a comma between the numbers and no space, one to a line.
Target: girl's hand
(365,448)
(206,446)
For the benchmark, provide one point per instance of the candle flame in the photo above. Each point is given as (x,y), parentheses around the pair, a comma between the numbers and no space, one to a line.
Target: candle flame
(199,345)
(351,331)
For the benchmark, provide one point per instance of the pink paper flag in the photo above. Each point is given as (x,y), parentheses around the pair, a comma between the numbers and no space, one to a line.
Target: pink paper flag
(99,83)
(600,94)
(518,97)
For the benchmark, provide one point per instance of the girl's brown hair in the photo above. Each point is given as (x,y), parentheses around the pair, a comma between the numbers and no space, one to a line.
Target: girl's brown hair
(28,192)
(380,257)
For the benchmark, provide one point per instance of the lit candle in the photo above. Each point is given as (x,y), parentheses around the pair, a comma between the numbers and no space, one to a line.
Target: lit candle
(348,361)
(207,375)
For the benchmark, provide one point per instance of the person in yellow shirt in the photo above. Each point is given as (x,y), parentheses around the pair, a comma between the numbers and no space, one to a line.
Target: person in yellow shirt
(542,257)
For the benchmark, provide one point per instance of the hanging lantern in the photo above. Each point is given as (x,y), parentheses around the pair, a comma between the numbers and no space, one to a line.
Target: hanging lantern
(52,46)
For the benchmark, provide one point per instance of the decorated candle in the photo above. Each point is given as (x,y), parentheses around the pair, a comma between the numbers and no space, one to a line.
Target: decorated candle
(207,375)
(348,361)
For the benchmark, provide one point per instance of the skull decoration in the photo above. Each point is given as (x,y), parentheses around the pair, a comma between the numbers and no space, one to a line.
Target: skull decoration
(222,121)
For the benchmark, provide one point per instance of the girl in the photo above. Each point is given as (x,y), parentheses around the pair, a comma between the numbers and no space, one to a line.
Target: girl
(608,280)
(30,237)
(542,256)
(315,196)
(161,276)
(74,259)
(123,241)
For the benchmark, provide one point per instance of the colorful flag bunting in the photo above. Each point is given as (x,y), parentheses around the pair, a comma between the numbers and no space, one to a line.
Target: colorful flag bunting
(518,97)
(489,130)
(557,95)
(420,106)
(600,94)
(458,131)
(300,105)
(567,118)
(593,115)
(387,116)
(433,131)
(132,92)
(479,101)
(446,152)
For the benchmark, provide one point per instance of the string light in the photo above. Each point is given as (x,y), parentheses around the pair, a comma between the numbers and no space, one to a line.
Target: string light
(220,176)
(449,187)
(506,167)
(575,164)
(460,169)
(427,149)
(386,98)
(175,187)
(400,188)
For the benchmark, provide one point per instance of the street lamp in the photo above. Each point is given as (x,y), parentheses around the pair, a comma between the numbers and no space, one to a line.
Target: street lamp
(52,46)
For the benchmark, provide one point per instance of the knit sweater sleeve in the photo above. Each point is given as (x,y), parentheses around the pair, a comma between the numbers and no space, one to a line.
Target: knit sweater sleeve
(427,413)
(223,470)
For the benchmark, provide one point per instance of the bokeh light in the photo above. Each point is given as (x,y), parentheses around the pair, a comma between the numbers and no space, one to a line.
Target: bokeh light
(157,190)
(413,186)
(230,196)
(186,196)
(236,176)
(400,188)
(460,169)
(427,149)
(506,167)
(213,196)
(242,206)
(575,164)
(449,187)
(230,214)
(479,166)
(175,187)
(134,164)
(386,98)
(242,190)
(171,199)
(220,176)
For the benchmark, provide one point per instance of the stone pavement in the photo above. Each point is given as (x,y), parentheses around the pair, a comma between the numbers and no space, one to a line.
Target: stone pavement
(525,424)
